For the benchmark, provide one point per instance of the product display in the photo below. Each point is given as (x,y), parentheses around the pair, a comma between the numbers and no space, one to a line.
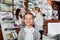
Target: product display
(18,4)
(7,26)
(11,35)
(5,5)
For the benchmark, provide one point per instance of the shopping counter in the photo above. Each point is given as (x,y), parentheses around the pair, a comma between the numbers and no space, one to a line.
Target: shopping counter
(52,27)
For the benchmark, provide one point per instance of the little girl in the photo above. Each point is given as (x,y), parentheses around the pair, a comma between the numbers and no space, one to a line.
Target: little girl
(29,32)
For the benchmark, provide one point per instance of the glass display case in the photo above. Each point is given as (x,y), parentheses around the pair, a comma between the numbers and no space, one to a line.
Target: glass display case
(18,4)
(5,5)
(33,3)
(7,8)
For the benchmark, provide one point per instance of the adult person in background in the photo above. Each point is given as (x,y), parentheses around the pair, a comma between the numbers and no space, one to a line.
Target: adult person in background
(39,20)
(18,17)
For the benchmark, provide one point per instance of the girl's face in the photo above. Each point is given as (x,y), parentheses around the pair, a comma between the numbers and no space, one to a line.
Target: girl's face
(28,20)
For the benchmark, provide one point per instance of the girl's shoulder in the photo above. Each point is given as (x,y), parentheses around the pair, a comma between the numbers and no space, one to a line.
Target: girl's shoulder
(22,31)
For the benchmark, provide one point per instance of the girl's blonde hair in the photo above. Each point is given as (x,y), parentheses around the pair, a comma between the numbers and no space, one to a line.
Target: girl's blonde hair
(29,14)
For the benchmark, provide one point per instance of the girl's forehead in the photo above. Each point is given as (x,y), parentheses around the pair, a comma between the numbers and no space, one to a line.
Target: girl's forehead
(29,16)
